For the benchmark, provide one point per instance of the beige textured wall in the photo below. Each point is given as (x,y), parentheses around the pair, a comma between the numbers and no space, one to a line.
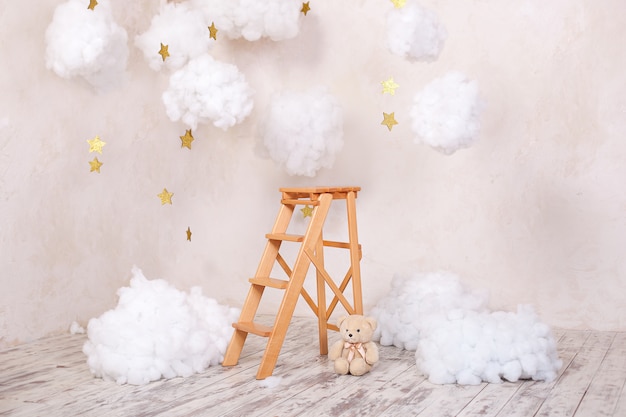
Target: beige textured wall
(535,212)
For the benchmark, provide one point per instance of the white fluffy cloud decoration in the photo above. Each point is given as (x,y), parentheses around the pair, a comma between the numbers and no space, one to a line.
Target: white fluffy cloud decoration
(445,114)
(303,132)
(415,32)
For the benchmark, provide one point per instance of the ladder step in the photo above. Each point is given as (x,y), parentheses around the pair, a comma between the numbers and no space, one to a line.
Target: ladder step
(254,328)
(281,284)
(291,201)
(285,236)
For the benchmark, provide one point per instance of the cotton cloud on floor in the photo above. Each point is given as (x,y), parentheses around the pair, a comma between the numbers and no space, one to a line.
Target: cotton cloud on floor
(183,29)
(206,90)
(445,114)
(157,331)
(457,339)
(415,33)
(302,132)
(88,44)
(252,19)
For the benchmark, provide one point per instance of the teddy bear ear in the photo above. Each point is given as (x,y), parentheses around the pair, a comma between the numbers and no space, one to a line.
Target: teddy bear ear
(372,322)
(341,319)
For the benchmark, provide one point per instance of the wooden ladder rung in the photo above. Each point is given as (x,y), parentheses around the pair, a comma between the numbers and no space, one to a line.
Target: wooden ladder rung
(254,328)
(291,201)
(281,284)
(285,236)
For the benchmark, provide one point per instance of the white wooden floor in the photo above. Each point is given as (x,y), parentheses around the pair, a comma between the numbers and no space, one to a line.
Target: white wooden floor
(50,378)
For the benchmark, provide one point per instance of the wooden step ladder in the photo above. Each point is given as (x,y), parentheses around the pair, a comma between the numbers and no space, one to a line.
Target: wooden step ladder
(311,251)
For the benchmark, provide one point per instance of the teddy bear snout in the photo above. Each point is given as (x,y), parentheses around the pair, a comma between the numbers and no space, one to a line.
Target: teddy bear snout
(350,335)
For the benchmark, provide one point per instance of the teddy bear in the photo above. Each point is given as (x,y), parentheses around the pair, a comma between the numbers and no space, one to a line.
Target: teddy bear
(355,352)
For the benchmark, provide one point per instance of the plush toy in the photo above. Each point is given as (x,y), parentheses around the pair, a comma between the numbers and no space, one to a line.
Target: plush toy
(355,353)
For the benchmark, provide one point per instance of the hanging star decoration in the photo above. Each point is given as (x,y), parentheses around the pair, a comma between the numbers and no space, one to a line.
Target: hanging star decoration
(189,234)
(213,31)
(164,52)
(389,86)
(95,165)
(165,196)
(389,120)
(95,145)
(187,139)
(307,211)
(305,8)
(398,4)
(92,4)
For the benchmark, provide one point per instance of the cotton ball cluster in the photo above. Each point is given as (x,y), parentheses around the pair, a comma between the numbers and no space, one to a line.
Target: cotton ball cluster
(445,114)
(253,19)
(474,347)
(182,29)
(87,43)
(416,299)
(302,132)
(207,90)
(157,331)
(415,32)
(457,339)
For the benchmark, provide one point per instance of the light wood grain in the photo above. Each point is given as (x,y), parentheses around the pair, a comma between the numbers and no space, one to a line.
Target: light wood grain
(50,378)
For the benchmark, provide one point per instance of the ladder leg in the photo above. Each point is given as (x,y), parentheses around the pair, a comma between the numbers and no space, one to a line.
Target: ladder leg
(355,255)
(250,306)
(292,292)
(322,319)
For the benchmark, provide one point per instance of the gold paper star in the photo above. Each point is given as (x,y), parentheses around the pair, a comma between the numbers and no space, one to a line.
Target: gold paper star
(305,8)
(92,4)
(165,196)
(307,211)
(164,52)
(389,86)
(389,120)
(95,165)
(398,4)
(187,139)
(213,31)
(95,145)
(189,234)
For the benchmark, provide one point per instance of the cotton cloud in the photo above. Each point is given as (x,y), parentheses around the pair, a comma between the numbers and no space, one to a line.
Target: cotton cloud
(88,44)
(252,19)
(183,29)
(206,90)
(157,331)
(457,339)
(302,132)
(445,114)
(415,33)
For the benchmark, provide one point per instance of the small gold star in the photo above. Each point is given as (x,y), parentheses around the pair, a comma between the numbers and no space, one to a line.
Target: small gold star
(165,196)
(307,211)
(213,31)
(389,86)
(389,120)
(95,145)
(187,139)
(95,165)
(92,4)
(189,234)
(305,8)
(164,52)
(398,4)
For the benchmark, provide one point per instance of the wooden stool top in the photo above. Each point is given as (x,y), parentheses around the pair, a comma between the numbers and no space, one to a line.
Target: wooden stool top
(314,192)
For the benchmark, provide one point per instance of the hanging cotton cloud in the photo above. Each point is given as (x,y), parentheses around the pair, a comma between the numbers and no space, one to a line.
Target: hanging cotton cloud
(87,43)
(182,29)
(253,19)
(302,132)
(415,32)
(457,340)
(206,90)
(157,331)
(445,114)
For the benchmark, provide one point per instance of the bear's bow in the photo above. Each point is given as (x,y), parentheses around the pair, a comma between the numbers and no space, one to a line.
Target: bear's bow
(354,347)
